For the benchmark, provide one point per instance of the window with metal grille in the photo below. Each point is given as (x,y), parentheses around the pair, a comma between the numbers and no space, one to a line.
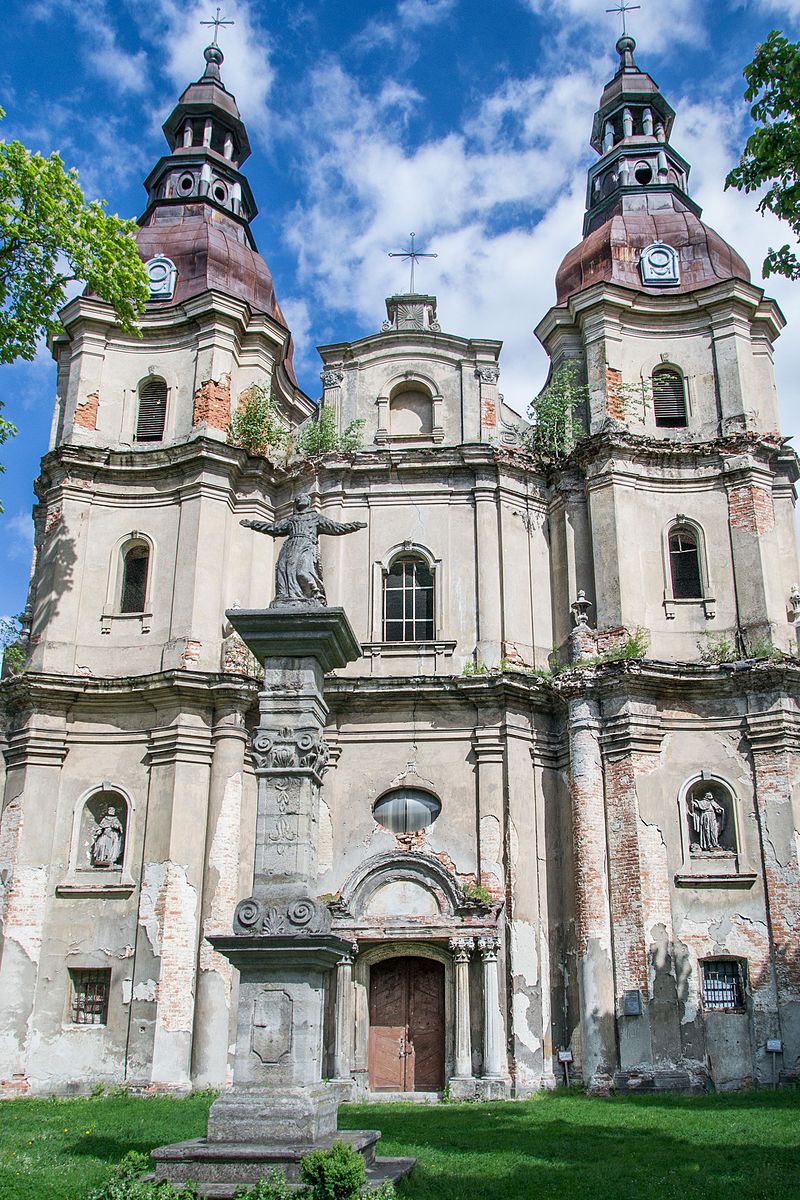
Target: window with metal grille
(408,602)
(684,564)
(152,411)
(669,399)
(134,579)
(722,983)
(90,992)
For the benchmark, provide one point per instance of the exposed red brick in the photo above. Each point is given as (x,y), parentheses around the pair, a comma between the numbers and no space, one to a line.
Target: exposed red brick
(488,412)
(191,654)
(609,640)
(781,866)
(751,509)
(212,403)
(52,519)
(615,403)
(86,413)
(626,880)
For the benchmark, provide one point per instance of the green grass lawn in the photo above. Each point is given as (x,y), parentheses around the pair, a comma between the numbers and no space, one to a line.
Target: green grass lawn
(559,1146)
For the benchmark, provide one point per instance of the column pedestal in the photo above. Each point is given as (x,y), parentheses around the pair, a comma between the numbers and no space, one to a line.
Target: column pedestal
(279,1106)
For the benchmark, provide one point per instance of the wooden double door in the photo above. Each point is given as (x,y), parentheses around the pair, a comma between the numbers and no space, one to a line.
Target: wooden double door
(406,1025)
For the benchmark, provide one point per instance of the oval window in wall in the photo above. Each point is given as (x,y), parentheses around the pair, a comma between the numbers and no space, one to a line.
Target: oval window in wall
(406,810)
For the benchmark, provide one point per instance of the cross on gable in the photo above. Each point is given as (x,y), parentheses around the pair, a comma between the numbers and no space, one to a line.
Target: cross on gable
(414,255)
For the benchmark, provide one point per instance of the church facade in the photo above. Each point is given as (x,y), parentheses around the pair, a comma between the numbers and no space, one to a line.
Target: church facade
(560,821)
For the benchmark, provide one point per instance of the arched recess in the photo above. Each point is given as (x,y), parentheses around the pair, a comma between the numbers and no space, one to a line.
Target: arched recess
(397,882)
(410,410)
(707,865)
(685,565)
(101,841)
(408,551)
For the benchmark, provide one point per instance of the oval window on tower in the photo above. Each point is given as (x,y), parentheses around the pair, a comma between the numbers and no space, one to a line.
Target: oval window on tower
(406,810)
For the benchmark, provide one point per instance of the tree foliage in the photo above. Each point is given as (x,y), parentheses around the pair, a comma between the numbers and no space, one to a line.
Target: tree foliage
(772,152)
(257,426)
(557,414)
(319,436)
(49,237)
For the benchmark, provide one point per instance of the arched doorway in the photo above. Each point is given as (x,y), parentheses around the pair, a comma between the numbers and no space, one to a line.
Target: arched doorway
(406,1025)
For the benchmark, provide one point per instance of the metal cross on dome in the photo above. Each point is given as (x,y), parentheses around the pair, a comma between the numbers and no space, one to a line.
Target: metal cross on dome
(413,254)
(622,8)
(217,22)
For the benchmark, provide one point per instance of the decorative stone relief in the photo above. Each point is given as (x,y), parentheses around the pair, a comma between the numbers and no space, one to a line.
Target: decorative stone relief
(271,1036)
(162,275)
(487,374)
(331,378)
(461,948)
(299,918)
(488,948)
(287,749)
(659,266)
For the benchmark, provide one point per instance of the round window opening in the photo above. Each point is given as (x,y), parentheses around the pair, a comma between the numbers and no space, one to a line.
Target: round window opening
(220,193)
(406,810)
(186,183)
(643,173)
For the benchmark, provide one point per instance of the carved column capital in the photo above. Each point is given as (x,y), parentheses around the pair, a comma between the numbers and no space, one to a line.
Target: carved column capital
(488,948)
(461,948)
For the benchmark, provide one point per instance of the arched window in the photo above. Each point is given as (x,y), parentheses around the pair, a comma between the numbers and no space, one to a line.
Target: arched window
(408,601)
(152,410)
(669,399)
(684,564)
(135,565)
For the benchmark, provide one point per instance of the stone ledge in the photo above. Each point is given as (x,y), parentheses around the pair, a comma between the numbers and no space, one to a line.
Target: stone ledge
(301,631)
(744,879)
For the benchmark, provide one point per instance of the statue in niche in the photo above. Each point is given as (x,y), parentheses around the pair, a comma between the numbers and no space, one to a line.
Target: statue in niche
(707,817)
(298,571)
(107,840)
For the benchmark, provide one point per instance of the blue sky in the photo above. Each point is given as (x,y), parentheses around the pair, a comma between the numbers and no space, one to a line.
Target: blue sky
(465,120)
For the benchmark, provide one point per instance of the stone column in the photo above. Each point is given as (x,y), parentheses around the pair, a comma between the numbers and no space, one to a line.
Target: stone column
(487,538)
(461,948)
(495,1059)
(593,915)
(220,892)
(343,1044)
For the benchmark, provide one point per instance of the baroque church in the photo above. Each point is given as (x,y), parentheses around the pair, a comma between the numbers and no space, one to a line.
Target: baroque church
(560,821)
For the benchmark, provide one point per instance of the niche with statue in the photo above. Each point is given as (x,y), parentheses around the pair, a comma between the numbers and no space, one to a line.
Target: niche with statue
(98,856)
(712,852)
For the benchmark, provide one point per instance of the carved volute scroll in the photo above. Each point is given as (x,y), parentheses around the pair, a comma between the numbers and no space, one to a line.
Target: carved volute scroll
(288,751)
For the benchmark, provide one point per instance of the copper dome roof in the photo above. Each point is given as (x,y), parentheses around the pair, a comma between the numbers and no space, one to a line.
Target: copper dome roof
(610,253)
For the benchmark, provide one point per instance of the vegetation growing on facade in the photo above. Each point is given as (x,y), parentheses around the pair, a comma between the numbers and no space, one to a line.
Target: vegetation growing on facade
(557,415)
(256,425)
(319,436)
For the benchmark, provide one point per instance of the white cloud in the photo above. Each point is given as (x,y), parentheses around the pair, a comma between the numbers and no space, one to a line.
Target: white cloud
(18,536)
(659,27)
(780,8)
(93,19)
(414,14)
(468,195)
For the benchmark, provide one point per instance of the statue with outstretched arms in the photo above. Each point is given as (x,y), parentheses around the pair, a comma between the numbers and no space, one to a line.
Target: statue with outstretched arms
(298,571)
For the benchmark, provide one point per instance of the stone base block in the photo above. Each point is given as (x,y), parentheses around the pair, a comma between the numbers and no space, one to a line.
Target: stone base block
(285,1116)
(218,1169)
(463,1089)
(649,1083)
(493,1089)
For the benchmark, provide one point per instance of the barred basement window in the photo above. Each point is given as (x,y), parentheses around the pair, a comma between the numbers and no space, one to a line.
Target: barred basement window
(723,986)
(408,602)
(669,400)
(152,410)
(134,579)
(684,564)
(90,992)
